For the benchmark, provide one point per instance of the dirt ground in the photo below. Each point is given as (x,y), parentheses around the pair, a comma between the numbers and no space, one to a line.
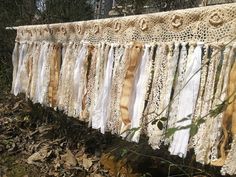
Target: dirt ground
(41,142)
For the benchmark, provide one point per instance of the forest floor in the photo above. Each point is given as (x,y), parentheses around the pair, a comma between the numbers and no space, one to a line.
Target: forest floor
(41,142)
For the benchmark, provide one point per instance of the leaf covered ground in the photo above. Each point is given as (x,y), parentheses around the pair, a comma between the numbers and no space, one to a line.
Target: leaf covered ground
(36,141)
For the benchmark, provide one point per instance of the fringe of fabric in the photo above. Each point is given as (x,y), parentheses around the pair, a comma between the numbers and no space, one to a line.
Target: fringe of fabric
(107,85)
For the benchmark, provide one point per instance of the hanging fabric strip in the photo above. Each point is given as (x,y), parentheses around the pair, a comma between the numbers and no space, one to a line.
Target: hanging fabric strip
(76,103)
(99,74)
(187,100)
(90,81)
(33,85)
(170,80)
(114,122)
(70,77)
(106,94)
(199,104)
(66,78)
(101,113)
(45,76)
(229,165)
(55,63)
(154,105)
(15,62)
(83,69)
(29,69)
(20,77)
(93,71)
(133,61)
(140,89)
(26,71)
(202,137)
(220,95)
(97,111)
(172,118)
(39,84)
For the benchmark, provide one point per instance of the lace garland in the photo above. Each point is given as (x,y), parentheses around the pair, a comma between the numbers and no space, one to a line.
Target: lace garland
(83,71)
(206,24)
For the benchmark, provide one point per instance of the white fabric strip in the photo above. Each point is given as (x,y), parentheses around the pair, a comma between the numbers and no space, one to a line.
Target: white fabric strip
(187,101)
(140,88)
(19,82)
(172,118)
(39,83)
(77,90)
(15,62)
(101,112)
(45,76)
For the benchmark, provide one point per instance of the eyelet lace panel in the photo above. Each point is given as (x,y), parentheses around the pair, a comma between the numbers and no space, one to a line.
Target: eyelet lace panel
(157,100)
(175,49)
(172,117)
(201,139)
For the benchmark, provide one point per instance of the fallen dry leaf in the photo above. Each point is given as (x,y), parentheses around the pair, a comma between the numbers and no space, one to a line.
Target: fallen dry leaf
(41,155)
(96,175)
(87,163)
(69,159)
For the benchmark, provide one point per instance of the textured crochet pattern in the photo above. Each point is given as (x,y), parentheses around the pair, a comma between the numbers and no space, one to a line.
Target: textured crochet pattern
(206,24)
(140,74)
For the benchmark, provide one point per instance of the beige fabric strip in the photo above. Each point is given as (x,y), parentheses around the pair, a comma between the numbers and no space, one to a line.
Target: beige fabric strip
(133,60)
(55,63)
